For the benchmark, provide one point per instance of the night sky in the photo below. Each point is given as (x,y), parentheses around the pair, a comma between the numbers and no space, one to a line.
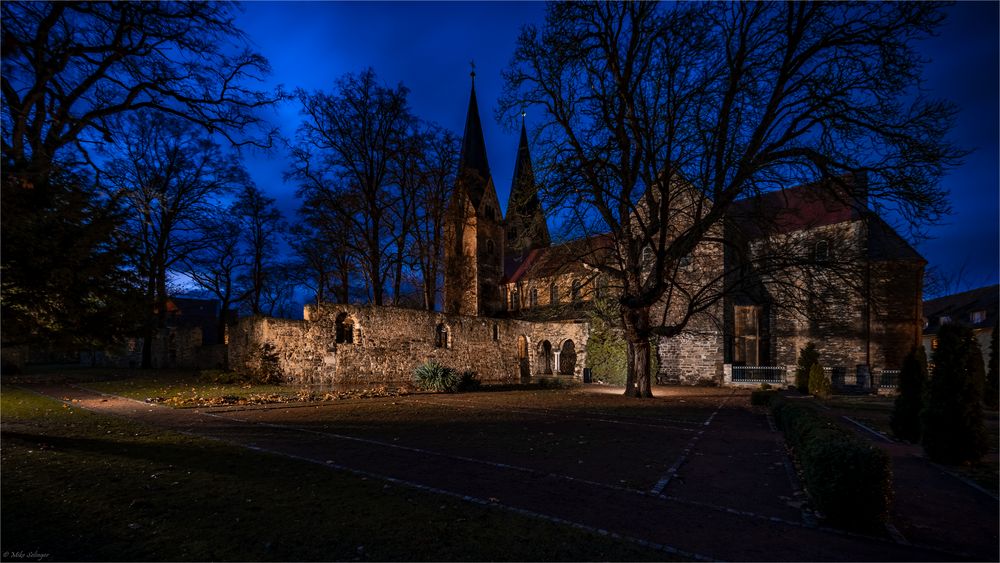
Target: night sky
(428,46)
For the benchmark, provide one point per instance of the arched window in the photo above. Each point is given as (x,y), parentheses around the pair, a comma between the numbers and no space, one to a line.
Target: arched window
(575,291)
(515,299)
(533,297)
(822,251)
(602,287)
(344,329)
(442,336)
(496,332)
(567,358)
(553,294)
(490,248)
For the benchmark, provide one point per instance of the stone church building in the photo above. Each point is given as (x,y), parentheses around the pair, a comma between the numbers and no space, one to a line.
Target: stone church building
(515,305)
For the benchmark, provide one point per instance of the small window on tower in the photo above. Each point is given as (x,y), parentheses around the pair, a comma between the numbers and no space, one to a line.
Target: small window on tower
(822,251)
(977,317)
(490,248)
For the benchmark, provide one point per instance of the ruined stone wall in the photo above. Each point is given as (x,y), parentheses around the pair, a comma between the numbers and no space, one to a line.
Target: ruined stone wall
(388,343)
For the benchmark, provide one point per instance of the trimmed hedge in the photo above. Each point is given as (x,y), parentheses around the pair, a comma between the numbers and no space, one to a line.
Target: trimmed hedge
(848,478)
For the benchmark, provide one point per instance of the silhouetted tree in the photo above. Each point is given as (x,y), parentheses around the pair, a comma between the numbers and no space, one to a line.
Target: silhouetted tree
(952,419)
(991,395)
(342,160)
(169,175)
(654,121)
(261,226)
(70,71)
(910,401)
(217,264)
(438,167)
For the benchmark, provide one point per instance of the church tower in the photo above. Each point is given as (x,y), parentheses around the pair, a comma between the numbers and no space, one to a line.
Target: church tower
(473,230)
(526,227)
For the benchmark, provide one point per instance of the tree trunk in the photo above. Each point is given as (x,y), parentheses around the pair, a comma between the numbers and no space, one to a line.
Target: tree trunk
(638,382)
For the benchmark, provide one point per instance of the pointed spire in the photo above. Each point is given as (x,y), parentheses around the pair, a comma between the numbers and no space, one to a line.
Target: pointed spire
(526,227)
(472,165)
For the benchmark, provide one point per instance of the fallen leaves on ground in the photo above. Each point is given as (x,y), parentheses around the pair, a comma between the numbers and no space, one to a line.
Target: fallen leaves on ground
(196,400)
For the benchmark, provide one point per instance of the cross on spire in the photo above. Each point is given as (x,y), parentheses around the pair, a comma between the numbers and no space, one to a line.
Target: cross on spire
(472,65)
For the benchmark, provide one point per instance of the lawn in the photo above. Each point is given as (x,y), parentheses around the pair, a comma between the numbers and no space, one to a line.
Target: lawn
(81,486)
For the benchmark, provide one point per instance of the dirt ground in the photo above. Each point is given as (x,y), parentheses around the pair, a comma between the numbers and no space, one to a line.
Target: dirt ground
(695,471)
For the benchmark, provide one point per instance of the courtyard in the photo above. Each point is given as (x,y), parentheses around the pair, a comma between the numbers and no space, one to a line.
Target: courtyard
(573,474)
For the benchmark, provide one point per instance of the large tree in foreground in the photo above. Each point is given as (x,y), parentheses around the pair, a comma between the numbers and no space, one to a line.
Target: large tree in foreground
(655,120)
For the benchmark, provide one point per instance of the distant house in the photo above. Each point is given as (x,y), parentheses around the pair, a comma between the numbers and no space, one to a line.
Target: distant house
(977,308)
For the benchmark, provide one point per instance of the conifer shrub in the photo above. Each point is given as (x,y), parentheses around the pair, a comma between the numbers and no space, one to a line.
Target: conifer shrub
(262,365)
(807,357)
(952,418)
(991,394)
(906,409)
(848,478)
(819,383)
(432,376)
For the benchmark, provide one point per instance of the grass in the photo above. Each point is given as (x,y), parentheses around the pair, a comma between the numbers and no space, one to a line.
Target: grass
(82,486)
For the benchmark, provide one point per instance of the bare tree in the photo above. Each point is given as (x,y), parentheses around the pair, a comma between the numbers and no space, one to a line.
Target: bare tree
(261,225)
(655,121)
(438,166)
(69,67)
(343,158)
(325,262)
(218,263)
(170,176)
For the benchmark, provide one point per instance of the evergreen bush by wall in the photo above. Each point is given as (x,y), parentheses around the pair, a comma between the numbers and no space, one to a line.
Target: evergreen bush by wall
(906,409)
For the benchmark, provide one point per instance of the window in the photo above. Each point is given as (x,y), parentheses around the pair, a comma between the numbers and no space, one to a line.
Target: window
(821,252)
(490,247)
(977,317)
(553,294)
(746,335)
(575,291)
(344,329)
(934,343)
(488,212)
(944,319)
(602,287)
(442,337)
(515,299)
(533,297)
(496,332)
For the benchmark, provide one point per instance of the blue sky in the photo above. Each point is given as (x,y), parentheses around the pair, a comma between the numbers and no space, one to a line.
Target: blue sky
(428,46)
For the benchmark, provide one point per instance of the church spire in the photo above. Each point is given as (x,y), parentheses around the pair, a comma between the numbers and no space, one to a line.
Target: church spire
(473,167)
(526,227)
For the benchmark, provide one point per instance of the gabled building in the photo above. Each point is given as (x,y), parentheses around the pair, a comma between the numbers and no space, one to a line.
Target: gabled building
(978,309)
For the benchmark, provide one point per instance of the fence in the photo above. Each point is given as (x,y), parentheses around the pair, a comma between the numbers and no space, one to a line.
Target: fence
(887,378)
(758,374)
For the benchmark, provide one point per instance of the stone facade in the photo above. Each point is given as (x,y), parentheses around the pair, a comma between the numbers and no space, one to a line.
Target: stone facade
(338,344)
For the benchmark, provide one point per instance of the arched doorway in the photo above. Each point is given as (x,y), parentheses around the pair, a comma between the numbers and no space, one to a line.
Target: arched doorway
(522,358)
(545,358)
(567,358)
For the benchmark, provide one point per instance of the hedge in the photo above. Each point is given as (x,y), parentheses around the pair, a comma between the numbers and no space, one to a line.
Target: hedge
(848,478)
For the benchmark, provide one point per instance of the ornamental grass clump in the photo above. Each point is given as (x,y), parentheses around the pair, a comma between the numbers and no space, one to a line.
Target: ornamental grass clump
(432,376)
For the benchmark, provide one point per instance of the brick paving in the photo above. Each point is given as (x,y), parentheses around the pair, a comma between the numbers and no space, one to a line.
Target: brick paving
(706,476)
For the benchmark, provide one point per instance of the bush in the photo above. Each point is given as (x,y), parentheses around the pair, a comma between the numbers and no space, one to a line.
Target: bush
(808,356)
(848,478)
(432,376)
(469,381)
(906,409)
(262,365)
(763,397)
(952,418)
(819,383)
(991,395)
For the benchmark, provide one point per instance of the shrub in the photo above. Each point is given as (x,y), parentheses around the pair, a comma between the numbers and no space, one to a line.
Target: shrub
(262,365)
(808,356)
(848,478)
(432,376)
(991,395)
(763,397)
(819,383)
(906,409)
(952,419)
(469,381)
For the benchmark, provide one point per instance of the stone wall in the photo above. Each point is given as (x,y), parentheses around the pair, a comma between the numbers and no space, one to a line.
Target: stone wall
(691,358)
(380,345)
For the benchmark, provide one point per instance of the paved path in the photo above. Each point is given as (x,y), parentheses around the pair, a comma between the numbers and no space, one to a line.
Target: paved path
(673,518)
